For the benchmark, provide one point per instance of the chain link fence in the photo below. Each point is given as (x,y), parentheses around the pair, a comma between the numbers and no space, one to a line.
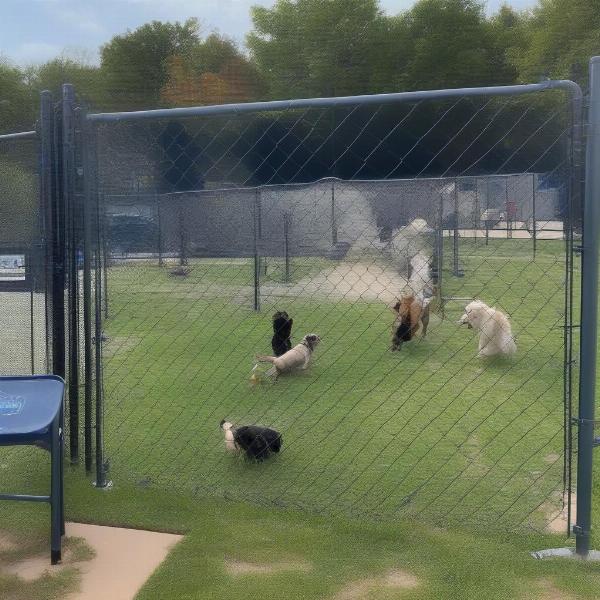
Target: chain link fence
(210,222)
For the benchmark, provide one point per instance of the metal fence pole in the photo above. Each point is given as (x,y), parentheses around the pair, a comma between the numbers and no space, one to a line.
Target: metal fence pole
(68,166)
(533,214)
(574,218)
(455,268)
(100,253)
(89,199)
(487,209)
(334,232)
(256,252)
(477,215)
(589,317)
(53,231)
(286,244)
(102,232)
(183,259)
(159,240)
(440,253)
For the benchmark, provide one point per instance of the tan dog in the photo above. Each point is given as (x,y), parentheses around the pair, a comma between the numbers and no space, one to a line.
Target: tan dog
(298,358)
(495,334)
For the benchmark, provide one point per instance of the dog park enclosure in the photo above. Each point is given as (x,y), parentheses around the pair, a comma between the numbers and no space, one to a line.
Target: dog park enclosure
(168,238)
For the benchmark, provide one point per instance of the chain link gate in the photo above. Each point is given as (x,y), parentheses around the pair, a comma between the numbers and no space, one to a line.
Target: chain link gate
(212,217)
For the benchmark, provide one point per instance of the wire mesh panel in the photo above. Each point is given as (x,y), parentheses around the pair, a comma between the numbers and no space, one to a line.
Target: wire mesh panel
(374,226)
(22,258)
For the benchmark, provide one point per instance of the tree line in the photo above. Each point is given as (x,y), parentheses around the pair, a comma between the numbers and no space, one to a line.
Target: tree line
(308,48)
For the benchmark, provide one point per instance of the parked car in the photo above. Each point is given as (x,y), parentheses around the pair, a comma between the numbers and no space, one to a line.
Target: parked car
(130,234)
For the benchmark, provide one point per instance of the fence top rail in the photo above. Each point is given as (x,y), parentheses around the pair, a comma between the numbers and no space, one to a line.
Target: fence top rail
(332,180)
(7,137)
(250,107)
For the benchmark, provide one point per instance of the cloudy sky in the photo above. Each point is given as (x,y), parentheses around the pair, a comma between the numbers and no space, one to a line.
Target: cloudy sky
(33,31)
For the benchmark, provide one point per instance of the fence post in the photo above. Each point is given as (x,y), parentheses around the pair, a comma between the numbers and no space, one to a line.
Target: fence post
(440,253)
(256,252)
(102,232)
(334,232)
(286,244)
(54,230)
(477,219)
(89,200)
(574,219)
(159,241)
(455,267)
(68,170)
(183,259)
(533,214)
(99,273)
(589,317)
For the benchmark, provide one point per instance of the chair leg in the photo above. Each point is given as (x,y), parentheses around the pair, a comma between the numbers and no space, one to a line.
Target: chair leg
(55,496)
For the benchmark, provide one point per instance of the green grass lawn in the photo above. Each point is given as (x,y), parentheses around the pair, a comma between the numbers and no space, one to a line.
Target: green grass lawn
(430,460)
(331,553)
(431,431)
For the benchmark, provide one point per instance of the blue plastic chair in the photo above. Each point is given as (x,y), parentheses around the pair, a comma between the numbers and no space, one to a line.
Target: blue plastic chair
(31,413)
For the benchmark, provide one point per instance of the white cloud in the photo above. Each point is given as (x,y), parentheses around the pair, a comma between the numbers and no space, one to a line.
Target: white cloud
(84,20)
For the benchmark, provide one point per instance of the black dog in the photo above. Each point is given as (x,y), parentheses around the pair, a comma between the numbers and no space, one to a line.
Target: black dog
(282,332)
(256,441)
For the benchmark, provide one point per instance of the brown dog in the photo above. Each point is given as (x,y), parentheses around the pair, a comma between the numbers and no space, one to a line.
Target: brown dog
(411,311)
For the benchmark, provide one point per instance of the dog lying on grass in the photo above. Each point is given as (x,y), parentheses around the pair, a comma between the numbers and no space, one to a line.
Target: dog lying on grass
(411,312)
(282,331)
(495,333)
(298,358)
(256,441)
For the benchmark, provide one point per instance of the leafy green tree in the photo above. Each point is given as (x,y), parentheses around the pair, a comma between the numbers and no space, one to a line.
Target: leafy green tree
(562,35)
(509,31)
(135,65)
(87,80)
(17,105)
(322,47)
(450,45)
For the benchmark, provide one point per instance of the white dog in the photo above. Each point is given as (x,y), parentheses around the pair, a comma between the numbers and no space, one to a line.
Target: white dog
(495,335)
(298,358)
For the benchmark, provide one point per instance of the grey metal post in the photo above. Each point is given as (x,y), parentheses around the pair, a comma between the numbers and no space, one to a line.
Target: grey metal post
(574,216)
(334,233)
(477,211)
(533,214)
(286,244)
(158,216)
(256,252)
(53,232)
(89,201)
(68,166)
(440,253)
(589,317)
(455,268)
(487,211)
(105,257)
(100,253)
(182,235)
